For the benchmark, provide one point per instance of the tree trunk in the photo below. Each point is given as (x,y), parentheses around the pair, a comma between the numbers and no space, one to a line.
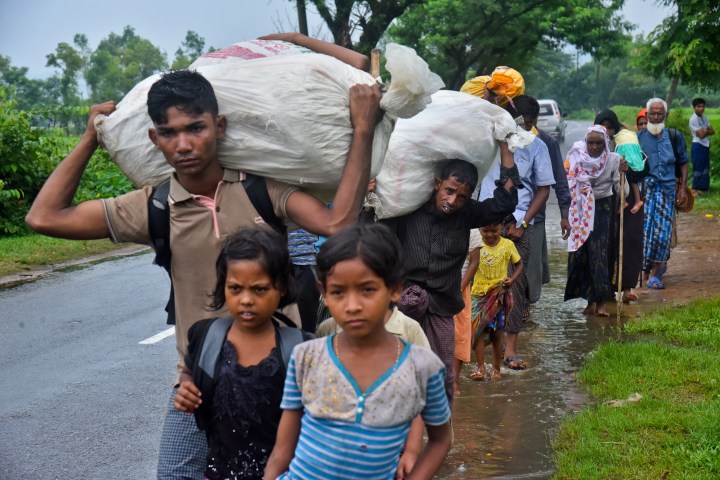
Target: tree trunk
(597,86)
(671,91)
(302,17)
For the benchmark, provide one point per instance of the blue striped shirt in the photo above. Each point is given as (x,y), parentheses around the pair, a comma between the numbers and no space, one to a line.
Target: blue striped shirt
(347,433)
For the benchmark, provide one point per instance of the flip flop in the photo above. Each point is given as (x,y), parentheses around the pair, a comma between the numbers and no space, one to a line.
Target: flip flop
(513,362)
(655,283)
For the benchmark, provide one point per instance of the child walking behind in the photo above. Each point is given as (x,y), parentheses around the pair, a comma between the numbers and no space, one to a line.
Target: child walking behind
(350,397)
(237,402)
(491,298)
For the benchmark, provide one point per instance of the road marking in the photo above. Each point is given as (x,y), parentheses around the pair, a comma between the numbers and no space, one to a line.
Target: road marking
(158,336)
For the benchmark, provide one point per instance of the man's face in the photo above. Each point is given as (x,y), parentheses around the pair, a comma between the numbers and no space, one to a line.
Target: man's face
(656,113)
(528,122)
(699,109)
(656,118)
(188,141)
(450,195)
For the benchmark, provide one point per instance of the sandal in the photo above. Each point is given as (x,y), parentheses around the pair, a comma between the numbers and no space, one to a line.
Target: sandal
(655,283)
(513,362)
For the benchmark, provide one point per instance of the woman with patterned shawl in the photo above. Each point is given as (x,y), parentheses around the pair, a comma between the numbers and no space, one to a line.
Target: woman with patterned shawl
(593,173)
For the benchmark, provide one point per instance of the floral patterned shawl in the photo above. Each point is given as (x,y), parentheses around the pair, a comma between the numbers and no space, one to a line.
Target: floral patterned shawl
(581,168)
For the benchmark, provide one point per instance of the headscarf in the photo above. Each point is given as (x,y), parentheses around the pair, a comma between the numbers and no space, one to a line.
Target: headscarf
(642,113)
(581,168)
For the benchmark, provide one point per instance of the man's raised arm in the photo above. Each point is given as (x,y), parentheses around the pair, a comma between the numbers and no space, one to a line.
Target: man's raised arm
(309,213)
(52,212)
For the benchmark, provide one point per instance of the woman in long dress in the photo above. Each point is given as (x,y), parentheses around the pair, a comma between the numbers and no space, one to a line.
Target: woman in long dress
(593,172)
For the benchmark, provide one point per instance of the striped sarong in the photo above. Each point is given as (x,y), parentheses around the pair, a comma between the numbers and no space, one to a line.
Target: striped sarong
(658,225)
(490,310)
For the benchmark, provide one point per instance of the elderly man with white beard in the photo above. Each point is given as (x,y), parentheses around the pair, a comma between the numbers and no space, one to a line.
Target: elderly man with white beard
(667,160)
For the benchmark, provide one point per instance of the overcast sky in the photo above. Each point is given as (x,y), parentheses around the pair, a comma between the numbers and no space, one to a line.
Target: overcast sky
(31,29)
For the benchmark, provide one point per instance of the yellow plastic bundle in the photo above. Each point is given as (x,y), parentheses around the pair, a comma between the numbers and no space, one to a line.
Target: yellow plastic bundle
(476,86)
(506,82)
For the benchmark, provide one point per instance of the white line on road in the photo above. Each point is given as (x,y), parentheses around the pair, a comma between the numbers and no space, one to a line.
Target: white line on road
(158,336)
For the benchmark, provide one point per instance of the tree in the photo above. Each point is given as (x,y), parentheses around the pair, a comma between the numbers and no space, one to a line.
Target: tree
(598,30)
(686,46)
(371,18)
(119,62)
(192,47)
(29,93)
(461,36)
(72,61)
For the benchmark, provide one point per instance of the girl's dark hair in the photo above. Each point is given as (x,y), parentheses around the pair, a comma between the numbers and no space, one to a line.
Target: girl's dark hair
(186,90)
(374,244)
(608,115)
(263,245)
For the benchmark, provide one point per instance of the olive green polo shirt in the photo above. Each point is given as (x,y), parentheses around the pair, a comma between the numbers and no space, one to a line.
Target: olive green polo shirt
(194,243)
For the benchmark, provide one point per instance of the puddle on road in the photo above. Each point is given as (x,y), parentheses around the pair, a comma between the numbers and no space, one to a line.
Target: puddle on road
(504,429)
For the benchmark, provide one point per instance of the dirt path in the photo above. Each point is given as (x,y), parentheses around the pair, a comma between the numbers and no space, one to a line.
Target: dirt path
(693,266)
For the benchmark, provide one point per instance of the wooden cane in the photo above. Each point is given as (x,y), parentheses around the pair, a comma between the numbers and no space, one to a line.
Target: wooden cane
(620,247)
(375,63)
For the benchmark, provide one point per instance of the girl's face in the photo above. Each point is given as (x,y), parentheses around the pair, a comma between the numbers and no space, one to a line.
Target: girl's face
(491,234)
(357,298)
(595,142)
(250,294)
(641,123)
(608,126)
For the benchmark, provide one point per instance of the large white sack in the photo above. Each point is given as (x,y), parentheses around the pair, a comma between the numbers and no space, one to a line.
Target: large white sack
(288,119)
(454,125)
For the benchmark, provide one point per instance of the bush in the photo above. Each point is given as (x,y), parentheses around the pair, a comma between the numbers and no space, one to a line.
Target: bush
(29,154)
(24,165)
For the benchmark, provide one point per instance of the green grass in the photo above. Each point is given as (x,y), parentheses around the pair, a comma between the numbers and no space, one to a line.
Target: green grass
(674,429)
(19,254)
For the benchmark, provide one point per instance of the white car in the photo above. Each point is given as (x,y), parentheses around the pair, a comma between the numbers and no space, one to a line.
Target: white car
(552,119)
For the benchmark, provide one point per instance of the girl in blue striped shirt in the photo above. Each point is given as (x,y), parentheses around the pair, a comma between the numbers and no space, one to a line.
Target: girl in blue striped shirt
(350,398)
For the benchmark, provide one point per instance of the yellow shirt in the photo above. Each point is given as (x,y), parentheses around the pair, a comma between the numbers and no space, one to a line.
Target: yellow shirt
(494,265)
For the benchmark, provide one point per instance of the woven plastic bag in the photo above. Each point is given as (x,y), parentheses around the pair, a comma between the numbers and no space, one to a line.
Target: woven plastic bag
(288,119)
(454,125)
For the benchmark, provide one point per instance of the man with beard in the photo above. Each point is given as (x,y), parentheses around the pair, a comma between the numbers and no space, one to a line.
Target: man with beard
(667,161)
(435,240)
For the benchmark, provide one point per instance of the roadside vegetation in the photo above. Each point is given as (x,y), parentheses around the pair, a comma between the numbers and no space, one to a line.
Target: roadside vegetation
(657,395)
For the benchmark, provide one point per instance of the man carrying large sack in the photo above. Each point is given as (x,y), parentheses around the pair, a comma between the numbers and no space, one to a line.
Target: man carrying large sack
(207,202)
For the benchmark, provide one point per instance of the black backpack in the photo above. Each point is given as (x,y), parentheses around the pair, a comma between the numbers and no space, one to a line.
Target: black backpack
(159,224)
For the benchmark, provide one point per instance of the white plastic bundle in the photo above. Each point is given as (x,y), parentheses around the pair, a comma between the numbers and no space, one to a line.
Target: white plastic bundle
(454,125)
(288,117)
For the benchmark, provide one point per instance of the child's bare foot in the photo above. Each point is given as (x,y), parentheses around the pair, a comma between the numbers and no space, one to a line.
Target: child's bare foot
(495,374)
(479,374)
(457,392)
(636,208)
(600,310)
(590,309)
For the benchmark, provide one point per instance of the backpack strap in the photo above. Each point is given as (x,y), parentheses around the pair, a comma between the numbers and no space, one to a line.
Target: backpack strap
(289,337)
(159,228)
(257,192)
(212,345)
